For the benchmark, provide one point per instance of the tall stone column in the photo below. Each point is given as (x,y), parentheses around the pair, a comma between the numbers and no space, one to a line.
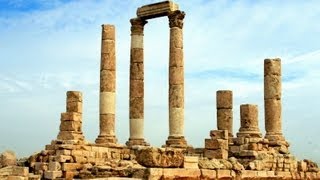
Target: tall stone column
(176,81)
(249,121)
(224,111)
(107,87)
(272,99)
(136,102)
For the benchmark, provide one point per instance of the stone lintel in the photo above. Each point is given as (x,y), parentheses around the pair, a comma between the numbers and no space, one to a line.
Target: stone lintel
(157,9)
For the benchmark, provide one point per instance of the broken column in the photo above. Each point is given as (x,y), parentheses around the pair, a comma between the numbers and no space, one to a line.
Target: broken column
(249,121)
(176,81)
(224,111)
(272,99)
(107,87)
(136,102)
(71,121)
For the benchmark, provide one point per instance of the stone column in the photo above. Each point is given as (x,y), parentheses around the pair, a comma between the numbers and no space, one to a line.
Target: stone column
(249,121)
(107,87)
(272,99)
(71,121)
(224,111)
(136,102)
(176,81)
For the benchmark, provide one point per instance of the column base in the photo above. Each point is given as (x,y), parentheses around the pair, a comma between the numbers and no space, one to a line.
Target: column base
(176,142)
(136,142)
(276,139)
(106,140)
(249,134)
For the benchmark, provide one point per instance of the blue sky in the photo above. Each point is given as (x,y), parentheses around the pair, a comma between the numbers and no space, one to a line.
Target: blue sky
(50,47)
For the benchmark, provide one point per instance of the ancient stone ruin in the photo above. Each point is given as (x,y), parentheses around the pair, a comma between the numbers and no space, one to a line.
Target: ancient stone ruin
(247,154)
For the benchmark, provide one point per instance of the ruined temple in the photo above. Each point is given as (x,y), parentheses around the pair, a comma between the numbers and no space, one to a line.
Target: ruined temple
(246,154)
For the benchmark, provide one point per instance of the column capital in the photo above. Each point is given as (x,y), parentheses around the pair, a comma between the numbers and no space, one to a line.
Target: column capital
(176,19)
(137,25)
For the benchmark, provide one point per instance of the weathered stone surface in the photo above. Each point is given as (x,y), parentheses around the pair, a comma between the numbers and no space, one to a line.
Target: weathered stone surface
(71,116)
(176,96)
(214,144)
(20,171)
(272,87)
(157,9)
(158,157)
(136,108)
(216,154)
(71,126)
(70,135)
(225,120)
(249,117)
(74,96)
(7,158)
(74,107)
(191,162)
(272,66)
(273,115)
(52,174)
(108,31)
(108,61)
(136,88)
(136,55)
(107,124)
(107,103)
(224,99)
(177,57)
(108,46)
(107,81)
(181,173)
(176,122)
(136,71)
(219,134)
(176,38)
(176,76)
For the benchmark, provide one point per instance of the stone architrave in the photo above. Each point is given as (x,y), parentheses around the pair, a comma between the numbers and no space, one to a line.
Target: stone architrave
(136,99)
(107,87)
(176,81)
(249,121)
(224,105)
(272,99)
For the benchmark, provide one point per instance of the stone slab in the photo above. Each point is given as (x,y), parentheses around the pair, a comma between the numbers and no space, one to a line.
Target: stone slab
(157,9)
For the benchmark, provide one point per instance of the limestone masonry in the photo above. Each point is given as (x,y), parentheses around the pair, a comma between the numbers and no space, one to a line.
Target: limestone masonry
(247,154)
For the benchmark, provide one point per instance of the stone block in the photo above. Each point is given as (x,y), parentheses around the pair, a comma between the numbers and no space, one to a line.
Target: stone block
(176,96)
(136,88)
(249,117)
(157,9)
(70,135)
(181,173)
(108,46)
(223,174)
(136,71)
(71,126)
(219,134)
(54,166)
(302,166)
(176,75)
(155,173)
(64,158)
(108,31)
(71,116)
(41,166)
(208,174)
(176,56)
(191,162)
(70,174)
(248,174)
(224,99)
(107,81)
(63,152)
(272,66)
(136,55)
(52,174)
(216,154)
(284,174)
(20,171)
(272,87)
(107,124)
(214,144)
(157,157)
(108,61)
(16,178)
(74,96)
(248,153)
(74,107)
(272,114)
(136,108)
(71,166)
